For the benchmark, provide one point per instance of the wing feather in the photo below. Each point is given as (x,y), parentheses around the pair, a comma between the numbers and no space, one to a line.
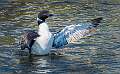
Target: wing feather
(72,33)
(27,39)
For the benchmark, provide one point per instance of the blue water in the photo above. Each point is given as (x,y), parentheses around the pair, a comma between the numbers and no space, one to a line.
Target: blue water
(98,54)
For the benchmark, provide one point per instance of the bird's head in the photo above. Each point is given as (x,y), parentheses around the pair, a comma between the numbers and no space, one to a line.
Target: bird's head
(42,16)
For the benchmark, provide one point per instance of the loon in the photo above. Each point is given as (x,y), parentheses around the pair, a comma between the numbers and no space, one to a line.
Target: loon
(42,41)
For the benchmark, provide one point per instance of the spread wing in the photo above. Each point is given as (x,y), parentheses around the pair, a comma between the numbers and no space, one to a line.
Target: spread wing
(27,39)
(73,33)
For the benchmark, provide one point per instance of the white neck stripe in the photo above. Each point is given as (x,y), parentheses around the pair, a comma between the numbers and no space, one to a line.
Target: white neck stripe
(39,19)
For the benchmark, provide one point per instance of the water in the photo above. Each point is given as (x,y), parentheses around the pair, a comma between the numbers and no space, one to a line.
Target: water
(98,54)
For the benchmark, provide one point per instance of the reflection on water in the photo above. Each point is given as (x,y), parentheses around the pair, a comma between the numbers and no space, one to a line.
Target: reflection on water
(93,55)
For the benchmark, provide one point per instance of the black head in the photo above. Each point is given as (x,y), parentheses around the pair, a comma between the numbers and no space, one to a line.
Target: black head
(43,15)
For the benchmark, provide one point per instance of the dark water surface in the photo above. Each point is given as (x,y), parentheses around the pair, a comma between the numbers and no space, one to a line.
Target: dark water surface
(98,54)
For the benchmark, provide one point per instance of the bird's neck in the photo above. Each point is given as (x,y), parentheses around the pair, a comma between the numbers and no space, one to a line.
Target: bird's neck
(43,29)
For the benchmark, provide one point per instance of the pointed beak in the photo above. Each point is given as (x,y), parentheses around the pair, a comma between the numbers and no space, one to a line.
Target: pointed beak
(49,15)
(57,15)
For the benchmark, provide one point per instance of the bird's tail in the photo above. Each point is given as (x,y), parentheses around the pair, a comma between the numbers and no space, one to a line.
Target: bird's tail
(96,21)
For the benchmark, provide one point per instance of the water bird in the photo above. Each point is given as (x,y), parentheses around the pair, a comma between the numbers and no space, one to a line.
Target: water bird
(42,41)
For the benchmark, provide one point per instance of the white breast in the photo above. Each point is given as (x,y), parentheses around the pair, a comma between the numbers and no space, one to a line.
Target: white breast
(43,44)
